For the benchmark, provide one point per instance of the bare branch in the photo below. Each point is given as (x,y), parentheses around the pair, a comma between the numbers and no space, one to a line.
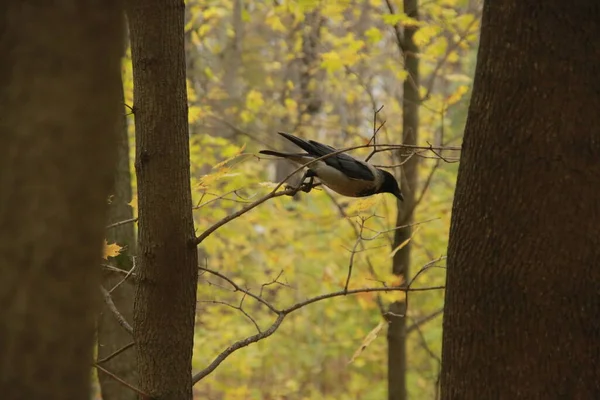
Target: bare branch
(114,354)
(143,395)
(429,265)
(426,346)
(111,268)
(351,263)
(368,260)
(424,320)
(238,308)
(291,191)
(111,305)
(376,130)
(378,233)
(236,346)
(126,276)
(238,288)
(221,197)
(131,109)
(356,291)
(126,221)
(272,282)
(397,30)
(283,313)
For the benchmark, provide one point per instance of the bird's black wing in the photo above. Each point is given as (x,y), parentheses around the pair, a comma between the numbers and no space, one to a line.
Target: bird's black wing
(343,162)
(349,165)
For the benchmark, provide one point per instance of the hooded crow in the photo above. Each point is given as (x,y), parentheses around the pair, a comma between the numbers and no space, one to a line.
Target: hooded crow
(340,172)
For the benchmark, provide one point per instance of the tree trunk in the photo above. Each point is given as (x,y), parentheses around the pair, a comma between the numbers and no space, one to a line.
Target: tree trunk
(522,302)
(165,301)
(59,105)
(396,334)
(111,336)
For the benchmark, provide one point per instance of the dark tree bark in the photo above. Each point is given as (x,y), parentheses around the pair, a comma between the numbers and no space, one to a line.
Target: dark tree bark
(167,277)
(396,334)
(111,335)
(59,105)
(522,303)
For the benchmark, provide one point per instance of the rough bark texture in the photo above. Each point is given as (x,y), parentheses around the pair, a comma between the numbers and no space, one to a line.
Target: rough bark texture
(111,336)
(522,302)
(59,105)
(167,277)
(396,334)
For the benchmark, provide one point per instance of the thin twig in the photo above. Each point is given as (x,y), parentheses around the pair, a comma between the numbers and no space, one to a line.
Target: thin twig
(238,308)
(351,263)
(375,132)
(283,313)
(145,396)
(111,305)
(238,288)
(126,221)
(424,268)
(368,260)
(424,320)
(126,276)
(114,354)
(272,282)
(291,191)
(356,291)
(236,346)
(426,346)
(378,233)
(115,269)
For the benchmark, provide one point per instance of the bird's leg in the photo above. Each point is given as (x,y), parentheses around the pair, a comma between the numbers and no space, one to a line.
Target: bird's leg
(307,186)
(304,186)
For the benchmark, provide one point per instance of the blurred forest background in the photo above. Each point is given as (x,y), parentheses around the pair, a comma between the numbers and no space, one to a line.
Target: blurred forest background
(319,70)
(220,281)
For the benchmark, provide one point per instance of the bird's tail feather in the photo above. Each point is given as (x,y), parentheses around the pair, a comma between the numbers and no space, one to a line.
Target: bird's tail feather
(280,154)
(300,158)
(303,144)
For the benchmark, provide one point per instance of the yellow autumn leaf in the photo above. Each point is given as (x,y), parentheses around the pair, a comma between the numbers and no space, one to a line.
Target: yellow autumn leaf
(373,35)
(274,22)
(332,61)
(134,202)
(110,250)
(393,296)
(254,100)
(362,205)
(291,105)
(424,35)
(457,95)
(270,185)
(194,114)
(237,152)
(371,336)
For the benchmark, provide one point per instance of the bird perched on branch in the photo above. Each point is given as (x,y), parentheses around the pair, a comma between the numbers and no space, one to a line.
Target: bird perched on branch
(340,172)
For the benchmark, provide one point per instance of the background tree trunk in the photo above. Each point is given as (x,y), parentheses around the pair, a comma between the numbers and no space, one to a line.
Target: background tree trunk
(165,301)
(522,303)
(59,99)
(396,334)
(111,336)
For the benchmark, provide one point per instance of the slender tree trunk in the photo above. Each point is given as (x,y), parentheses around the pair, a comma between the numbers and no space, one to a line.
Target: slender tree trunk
(111,336)
(59,105)
(522,301)
(167,276)
(400,265)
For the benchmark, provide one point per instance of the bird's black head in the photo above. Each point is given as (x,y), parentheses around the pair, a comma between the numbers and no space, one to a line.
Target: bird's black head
(390,185)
